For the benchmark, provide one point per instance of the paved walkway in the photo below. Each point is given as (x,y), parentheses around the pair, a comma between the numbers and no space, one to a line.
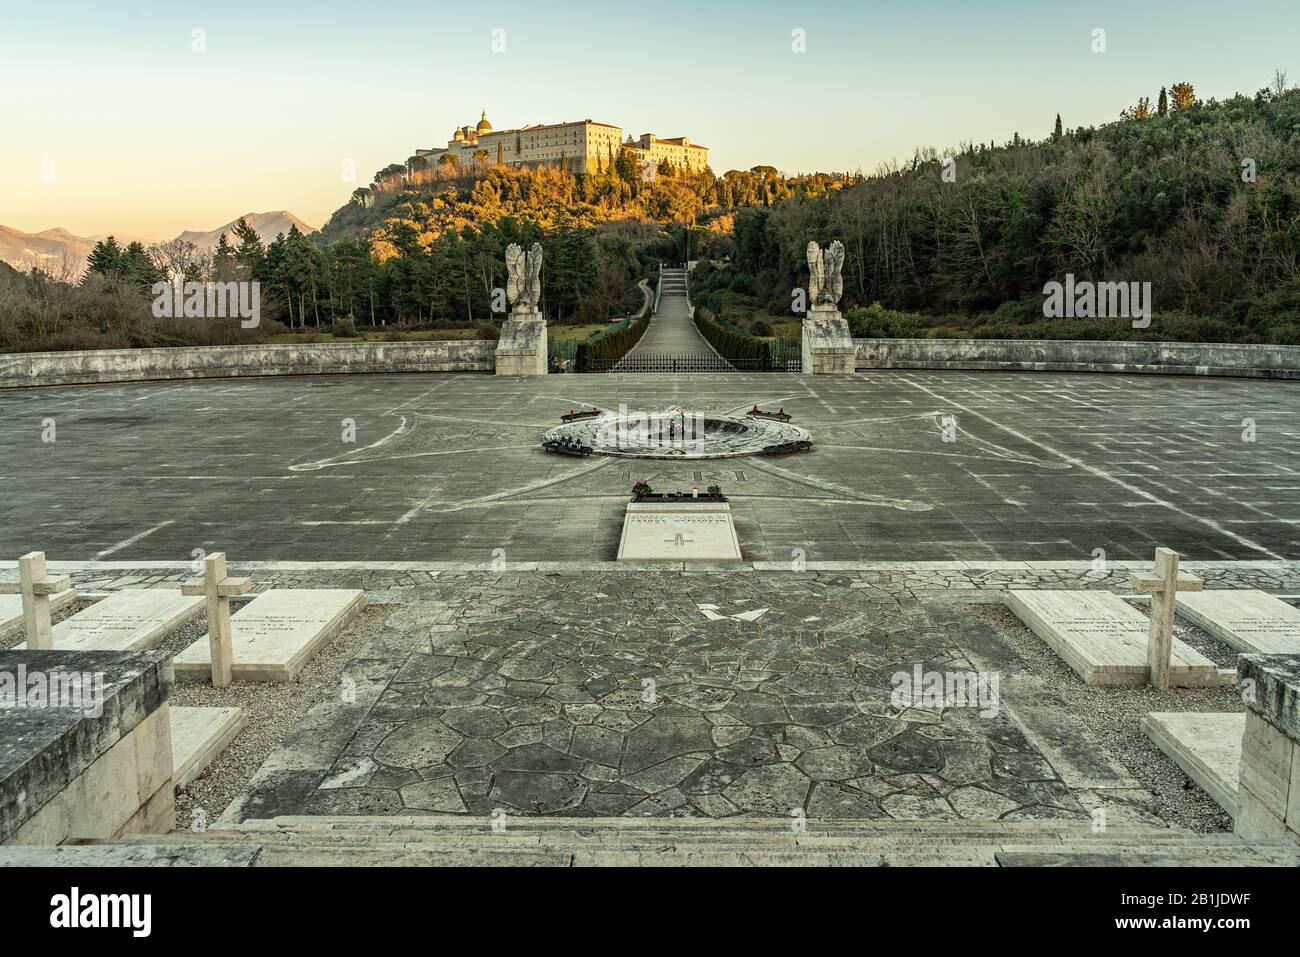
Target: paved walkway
(672,331)
(617,697)
(598,692)
(714,695)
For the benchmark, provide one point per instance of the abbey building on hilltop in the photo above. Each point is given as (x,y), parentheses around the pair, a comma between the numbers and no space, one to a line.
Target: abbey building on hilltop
(582,146)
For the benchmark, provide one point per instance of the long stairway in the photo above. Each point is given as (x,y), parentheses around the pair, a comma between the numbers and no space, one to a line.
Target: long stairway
(672,330)
(570,842)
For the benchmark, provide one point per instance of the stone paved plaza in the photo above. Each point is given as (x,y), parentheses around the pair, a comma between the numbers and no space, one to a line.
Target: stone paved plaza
(606,691)
(448,467)
(518,669)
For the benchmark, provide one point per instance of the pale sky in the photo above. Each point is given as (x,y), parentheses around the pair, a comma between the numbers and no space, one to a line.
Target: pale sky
(112,121)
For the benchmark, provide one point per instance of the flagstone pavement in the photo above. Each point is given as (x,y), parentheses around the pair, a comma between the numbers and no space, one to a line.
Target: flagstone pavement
(660,694)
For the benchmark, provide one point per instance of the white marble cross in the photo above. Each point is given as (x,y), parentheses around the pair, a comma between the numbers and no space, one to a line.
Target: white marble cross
(1163,586)
(218,588)
(36,586)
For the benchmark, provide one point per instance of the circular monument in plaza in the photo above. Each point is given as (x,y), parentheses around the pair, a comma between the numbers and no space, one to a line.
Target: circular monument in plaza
(678,433)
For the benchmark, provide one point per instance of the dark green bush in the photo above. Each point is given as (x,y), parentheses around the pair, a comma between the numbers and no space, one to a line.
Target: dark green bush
(731,344)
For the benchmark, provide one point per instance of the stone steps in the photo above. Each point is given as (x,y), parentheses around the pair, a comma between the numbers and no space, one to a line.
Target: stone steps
(762,841)
(566,842)
(247,853)
(708,829)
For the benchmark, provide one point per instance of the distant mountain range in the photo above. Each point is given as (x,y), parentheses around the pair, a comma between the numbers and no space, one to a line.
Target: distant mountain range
(268,226)
(52,248)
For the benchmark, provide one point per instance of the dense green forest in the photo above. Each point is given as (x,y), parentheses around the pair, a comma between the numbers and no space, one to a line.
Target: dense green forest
(1201,199)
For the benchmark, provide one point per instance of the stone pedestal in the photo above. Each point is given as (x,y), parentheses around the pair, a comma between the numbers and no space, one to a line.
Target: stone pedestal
(1268,791)
(521,349)
(828,348)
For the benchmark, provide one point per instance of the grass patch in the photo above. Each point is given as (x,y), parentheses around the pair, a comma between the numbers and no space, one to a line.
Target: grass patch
(579,333)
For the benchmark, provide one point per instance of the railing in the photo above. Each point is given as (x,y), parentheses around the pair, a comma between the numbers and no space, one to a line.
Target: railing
(694,363)
(783,350)
(568,349)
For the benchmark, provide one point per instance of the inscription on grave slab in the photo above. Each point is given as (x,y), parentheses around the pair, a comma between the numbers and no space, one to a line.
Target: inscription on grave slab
(1247,620)
(130,620)
(1105,639)
(278,633)
(678,533)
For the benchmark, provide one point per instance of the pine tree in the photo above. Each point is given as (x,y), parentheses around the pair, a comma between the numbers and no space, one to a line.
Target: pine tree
(1057,132)
(138,267)
(250,254)
(1162,105)
(223,260)
(105,258)
(1184,95)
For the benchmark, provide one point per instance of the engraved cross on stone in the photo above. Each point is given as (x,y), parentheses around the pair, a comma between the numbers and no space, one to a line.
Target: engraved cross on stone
(1163,586)
(36,586)
(218,588)
(679,538)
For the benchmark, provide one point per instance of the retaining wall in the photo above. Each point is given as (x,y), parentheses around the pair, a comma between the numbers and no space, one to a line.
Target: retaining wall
(1068,355)
(18,370)
(25,369)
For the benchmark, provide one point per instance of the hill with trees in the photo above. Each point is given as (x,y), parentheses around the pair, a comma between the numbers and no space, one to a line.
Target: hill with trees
(1201,199)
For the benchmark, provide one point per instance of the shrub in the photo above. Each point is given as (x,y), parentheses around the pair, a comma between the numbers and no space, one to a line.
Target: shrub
(731,344)
(877,322)
(604,351)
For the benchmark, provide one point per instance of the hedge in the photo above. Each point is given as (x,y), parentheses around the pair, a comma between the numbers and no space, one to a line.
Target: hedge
(731,344)
(604,352)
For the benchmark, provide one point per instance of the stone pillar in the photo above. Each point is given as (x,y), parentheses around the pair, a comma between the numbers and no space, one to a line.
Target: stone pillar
(828,348)
(521,349)
(1268,792)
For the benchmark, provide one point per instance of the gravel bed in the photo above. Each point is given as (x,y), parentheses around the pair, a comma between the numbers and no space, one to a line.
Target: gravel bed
(1217,651)
(1112,715)
(273,710)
